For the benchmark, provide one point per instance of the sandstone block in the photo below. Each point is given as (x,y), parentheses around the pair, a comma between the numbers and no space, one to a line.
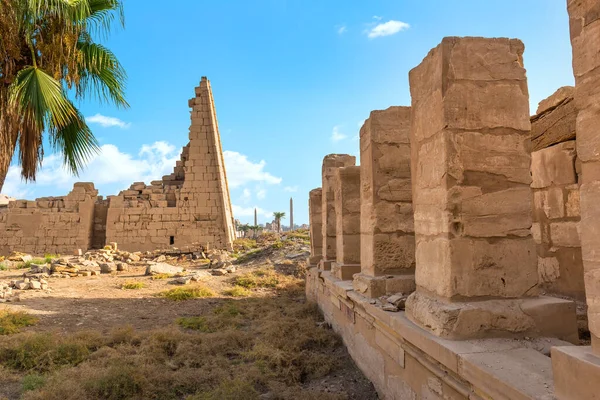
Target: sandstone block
(107,268)
(555,120)
(565,234)
(554,165)
(163,268)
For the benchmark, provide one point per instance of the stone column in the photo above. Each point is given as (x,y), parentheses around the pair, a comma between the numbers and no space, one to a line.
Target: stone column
(316,226)
(347,211)
(387,223)
(577,369)
(476,270)
(330,163)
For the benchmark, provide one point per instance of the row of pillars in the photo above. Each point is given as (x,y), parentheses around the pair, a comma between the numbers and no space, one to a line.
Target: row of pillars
(441,207)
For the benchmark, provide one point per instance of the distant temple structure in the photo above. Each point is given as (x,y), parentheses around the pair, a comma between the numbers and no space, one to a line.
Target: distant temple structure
(189,207)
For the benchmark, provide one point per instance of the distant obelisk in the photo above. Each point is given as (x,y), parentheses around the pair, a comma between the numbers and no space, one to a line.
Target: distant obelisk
(291,214)
(255,218)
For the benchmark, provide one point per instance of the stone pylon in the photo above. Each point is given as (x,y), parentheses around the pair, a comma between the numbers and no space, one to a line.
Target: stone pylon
(255,217)
(205,191)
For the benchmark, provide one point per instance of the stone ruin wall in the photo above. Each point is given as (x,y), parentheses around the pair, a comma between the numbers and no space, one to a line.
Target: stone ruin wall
(49,224)
(492,196)
(556,173)
(188,208)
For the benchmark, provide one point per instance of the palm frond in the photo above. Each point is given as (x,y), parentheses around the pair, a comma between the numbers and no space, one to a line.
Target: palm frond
(40,98)
(102,16)
(101,74)
(75,142)
(43,105)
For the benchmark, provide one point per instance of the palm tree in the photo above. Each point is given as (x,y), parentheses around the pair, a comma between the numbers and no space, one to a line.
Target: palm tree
(46,50)
(255,229)
(278,217)
(244,228)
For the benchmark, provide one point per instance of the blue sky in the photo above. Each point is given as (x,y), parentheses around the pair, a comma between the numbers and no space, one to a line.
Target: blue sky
(292,80)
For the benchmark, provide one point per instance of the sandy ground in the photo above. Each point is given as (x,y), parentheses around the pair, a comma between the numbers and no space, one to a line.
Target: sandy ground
(99,303)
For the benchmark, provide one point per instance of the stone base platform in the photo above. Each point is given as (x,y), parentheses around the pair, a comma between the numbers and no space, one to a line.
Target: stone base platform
(344,271)
(576,373)
(325,265)
(405,361)
(532,317)
(314,260)
(377,286)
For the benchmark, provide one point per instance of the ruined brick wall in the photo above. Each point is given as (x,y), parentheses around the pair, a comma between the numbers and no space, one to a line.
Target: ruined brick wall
(49,224)
(556,217)
(190,206)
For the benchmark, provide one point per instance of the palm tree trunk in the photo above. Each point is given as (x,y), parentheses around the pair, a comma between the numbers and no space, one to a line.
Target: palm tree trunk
(2,178)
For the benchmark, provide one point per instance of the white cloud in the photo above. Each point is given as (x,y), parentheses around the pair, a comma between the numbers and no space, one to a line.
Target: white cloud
(342,29)
(240,211)
(109,166)
(336,135)
(387,28)
(240,170)
(107,122)
(246,196)
(291,189)
(261,194)
(377,17)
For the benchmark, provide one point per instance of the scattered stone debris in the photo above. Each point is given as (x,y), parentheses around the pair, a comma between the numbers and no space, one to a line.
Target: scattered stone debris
(7,294)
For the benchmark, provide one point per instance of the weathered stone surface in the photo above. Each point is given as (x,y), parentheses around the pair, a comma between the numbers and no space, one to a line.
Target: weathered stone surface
(512,316)
(163,268)
(565,234)
(548,269)
(555,120)
(554,165)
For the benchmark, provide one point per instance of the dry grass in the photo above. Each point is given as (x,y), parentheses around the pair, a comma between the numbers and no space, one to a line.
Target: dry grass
(157,277)
(237,291)
(264,278)
(133,285)
(239,349)
(188,293)
(244,244)
(12,322)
